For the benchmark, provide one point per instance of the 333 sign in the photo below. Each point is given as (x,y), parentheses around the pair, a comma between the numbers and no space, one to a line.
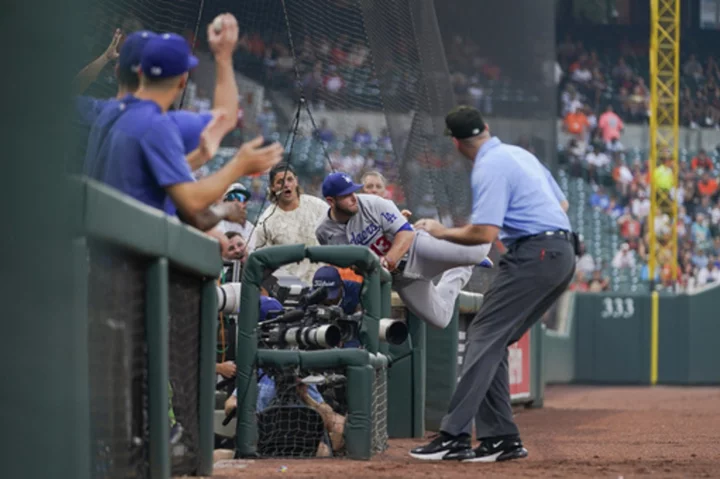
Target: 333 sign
(618,308)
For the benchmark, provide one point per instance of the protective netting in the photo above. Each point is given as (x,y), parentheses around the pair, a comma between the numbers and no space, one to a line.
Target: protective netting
(185,291)
(104,16)
(379,411)
(506,69)
(377,86)
(118,364)
(302,413)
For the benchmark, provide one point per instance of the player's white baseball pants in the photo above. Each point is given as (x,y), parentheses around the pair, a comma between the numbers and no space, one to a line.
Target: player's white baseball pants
(429,257)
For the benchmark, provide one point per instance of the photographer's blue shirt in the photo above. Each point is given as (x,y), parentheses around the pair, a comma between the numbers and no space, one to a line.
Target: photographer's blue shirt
(351,296)
(136,148)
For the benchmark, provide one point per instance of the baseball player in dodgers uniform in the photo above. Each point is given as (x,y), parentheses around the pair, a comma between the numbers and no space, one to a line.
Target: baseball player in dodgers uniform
(414,257)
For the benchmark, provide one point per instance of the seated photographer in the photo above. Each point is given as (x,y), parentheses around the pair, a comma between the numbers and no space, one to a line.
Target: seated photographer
(237,249)
(343,293)
(310,396)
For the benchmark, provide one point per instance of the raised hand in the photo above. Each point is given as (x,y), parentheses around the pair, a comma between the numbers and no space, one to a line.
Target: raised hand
(251,159)
(223,43)
(113,52)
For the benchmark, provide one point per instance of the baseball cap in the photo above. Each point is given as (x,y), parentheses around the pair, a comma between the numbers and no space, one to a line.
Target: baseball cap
(268,304)
(167,55)
(191,124)
(132,49)
(339,184)
(237,191)
(464,122)
(329,277)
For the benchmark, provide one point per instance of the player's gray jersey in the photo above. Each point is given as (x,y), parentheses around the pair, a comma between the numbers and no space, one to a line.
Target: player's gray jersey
(374,225)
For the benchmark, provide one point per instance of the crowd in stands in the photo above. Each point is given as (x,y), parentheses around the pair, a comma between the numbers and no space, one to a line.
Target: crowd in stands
(596,102)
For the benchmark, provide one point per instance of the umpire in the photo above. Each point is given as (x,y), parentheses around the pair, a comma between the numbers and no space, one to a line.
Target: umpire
(516,199)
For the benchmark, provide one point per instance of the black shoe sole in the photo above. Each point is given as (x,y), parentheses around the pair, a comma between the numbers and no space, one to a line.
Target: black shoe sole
(501,456)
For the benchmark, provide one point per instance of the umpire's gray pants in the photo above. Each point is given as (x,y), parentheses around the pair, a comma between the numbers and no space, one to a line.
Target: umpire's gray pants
(532,275)
(429,257)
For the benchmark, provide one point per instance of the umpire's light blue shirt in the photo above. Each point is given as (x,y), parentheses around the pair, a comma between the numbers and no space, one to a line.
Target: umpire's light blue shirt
(515,192)
(136,148)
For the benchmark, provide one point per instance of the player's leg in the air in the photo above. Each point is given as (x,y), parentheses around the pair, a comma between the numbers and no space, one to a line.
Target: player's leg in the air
(428,258)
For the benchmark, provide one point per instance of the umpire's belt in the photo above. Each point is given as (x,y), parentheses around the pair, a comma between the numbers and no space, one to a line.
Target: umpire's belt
(566,235)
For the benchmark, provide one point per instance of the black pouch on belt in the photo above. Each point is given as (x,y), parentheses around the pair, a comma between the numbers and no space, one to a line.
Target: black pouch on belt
(576,243)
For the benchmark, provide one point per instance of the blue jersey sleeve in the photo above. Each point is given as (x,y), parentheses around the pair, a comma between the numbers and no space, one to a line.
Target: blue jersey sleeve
(190,125)
(88,109)
(491,196)
(165,154)
(351,296)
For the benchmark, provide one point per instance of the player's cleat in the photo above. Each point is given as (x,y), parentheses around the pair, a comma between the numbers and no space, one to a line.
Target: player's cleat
(492,450)
(442,445)
(486,263)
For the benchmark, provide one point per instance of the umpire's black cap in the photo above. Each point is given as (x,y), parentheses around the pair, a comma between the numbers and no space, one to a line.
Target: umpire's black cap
(464,122)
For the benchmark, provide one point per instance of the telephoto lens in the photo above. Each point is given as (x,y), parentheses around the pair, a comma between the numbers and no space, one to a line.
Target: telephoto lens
(393,331)
(229,298)
(314,337)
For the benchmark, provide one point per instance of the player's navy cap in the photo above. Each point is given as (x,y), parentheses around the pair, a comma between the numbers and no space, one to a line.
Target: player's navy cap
(329,277)
(167,55)
(132,48)
(339,184)
(190,124)
(237,191)
(268,304)
(464,122)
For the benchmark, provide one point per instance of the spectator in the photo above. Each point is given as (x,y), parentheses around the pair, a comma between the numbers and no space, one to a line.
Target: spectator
(576,123)
(630,228)
(362,136)
(237,247)
(624,258)
(598,283)
(290,219)
(610,125)
(352,163)
(622,176)
(579,283)
(702,161)
(599,199)
(707,186)
(324,133)
(597,161)
(585,262)
(237,196)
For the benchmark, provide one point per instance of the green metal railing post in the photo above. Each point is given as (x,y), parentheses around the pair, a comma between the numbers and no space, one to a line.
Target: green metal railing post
(157,317)
(206,401)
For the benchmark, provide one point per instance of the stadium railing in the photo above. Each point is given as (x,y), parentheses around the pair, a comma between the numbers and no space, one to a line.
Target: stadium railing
(145,288)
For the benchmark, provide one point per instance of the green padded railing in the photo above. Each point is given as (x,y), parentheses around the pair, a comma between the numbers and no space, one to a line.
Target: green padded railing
(111,218)
(269,259)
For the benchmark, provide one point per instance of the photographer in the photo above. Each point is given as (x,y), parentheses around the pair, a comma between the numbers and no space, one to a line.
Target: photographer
(309,394)
(343,293)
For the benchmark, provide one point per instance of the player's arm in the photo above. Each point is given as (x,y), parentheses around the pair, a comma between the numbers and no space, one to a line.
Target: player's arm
(91,71)
(491,194)
(392,221)
(194,197)
(222,44)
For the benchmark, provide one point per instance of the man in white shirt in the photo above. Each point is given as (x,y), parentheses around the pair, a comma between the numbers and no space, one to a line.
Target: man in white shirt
(290,219)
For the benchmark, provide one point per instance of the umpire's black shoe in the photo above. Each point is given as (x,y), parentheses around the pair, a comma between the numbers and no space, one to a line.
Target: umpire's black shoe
(493,450)
(440,446)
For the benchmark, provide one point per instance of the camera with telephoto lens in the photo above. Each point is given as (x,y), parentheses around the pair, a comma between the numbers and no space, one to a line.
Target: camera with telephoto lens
(310,326)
